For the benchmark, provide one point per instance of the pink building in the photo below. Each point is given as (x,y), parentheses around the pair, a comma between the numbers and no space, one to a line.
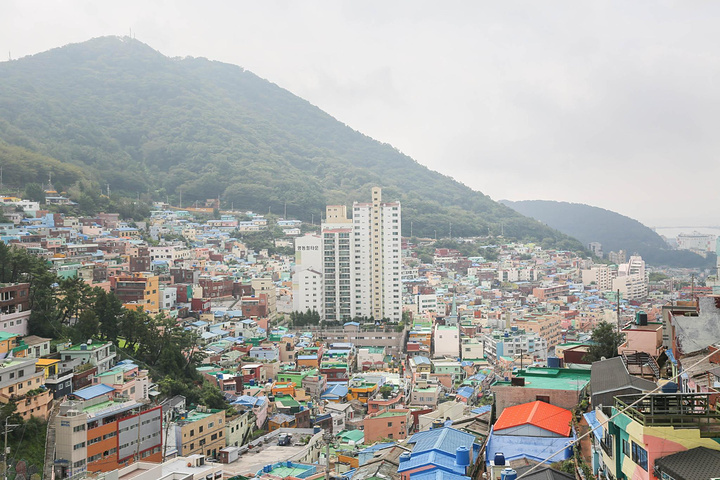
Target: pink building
(391,424)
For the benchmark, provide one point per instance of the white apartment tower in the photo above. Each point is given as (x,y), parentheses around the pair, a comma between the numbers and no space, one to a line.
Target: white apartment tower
(361,261)
(307,277)
(377,243)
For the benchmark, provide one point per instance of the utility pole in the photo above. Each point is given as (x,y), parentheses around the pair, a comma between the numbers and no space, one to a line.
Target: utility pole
(285,211)
(410,220)
(108,189)
(327,436)
(1,179)
(7,450)
(618,310)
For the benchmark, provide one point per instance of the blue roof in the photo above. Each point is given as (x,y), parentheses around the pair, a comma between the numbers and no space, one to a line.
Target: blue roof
(377,446)
(93,391)
(517,447)
(594,424)
(335,391)
(249,401)
(466,392)
(481,410)
(437,475)
(440,460)
(444,439)
(419,359)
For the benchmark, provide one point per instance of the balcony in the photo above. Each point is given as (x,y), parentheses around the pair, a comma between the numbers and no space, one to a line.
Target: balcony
(680,410)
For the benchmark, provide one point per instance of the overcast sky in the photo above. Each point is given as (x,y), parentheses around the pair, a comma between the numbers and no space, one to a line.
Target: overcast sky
(613,104)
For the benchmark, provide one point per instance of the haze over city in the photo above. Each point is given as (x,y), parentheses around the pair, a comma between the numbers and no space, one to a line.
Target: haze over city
(612,105)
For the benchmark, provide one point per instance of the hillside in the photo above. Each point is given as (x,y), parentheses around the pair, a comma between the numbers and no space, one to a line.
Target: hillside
(614,231)
(149,124)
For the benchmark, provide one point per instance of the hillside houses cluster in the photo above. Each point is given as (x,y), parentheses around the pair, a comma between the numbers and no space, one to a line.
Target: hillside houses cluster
(486,371)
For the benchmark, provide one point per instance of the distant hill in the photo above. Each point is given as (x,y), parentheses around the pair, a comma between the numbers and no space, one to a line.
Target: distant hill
(157,126)
(614,231)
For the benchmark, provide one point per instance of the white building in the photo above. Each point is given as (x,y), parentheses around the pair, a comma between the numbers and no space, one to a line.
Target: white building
(601,275)
(632,281)
(376,258)
(337,277)
(696,241)
(447,340)
(308,291)
(426,303)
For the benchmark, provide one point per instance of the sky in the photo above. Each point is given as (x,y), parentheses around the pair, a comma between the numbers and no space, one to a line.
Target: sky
(613,104)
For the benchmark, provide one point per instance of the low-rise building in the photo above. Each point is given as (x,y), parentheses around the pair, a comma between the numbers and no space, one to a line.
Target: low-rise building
(201,431)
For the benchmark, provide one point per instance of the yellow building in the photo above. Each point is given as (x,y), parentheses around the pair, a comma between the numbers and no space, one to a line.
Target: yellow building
(201,432)
(11,342)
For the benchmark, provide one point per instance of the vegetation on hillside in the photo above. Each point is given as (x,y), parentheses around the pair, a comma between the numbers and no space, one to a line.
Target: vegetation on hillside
(153,342)
(147,124)
(614,231)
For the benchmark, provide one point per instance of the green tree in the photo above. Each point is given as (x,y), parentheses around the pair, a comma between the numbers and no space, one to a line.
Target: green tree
(34,192)
(86,327)
(606,341)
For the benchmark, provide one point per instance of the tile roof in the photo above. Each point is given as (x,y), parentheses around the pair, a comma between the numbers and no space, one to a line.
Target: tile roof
(699,462)
(540,414)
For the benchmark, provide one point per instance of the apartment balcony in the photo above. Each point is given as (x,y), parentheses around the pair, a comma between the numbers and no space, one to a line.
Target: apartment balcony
(679,410)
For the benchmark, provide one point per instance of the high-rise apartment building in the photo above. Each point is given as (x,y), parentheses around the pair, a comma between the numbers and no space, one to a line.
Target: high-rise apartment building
(376,241)
(360,262)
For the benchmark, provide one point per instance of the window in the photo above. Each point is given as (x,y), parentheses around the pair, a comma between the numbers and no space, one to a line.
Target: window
(639,456)
(543,398)
(626,448)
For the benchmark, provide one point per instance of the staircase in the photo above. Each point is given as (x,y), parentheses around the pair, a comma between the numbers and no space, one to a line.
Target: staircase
(641,363)
(49,466)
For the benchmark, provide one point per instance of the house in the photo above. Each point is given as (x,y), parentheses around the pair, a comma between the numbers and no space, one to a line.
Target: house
(699,462)
(23,384)
(393,424)
(562,387)
(100,355)
(446,450)
(610,377)
(201,431)
(640,429)
(531,432)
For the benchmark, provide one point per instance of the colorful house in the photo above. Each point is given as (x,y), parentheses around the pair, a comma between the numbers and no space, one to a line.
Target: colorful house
(445,450)
(652,427)
(532,431)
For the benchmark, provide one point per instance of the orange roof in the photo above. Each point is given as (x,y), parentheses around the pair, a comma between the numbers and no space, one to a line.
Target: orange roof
(540,414)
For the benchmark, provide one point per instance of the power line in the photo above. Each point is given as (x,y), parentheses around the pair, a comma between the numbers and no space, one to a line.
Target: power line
(620,411)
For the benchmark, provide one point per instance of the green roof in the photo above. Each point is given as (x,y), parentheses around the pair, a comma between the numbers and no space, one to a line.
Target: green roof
(92,346)
(351,435)
(388,414)
(7,336)
(553,378)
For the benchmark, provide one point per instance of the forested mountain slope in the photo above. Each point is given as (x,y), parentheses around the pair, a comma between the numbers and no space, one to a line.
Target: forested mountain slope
(146,123)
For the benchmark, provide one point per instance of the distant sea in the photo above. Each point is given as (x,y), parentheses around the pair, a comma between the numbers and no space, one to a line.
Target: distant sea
(673,232)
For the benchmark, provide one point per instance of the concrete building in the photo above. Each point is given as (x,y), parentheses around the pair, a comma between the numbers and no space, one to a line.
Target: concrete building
(201,431)
(22,384)
(101,435)
(393,424)
(14,307)
(601,275)
(100,355)
(307,279)
(447,340)
(377,243)
(337,277)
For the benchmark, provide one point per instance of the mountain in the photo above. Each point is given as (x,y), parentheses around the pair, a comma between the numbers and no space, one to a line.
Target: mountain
(158,126)
(614,231)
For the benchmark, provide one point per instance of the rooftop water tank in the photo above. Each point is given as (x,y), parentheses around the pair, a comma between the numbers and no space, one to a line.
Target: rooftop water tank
(499,459)
(404,457)
(462,456)
(508,474)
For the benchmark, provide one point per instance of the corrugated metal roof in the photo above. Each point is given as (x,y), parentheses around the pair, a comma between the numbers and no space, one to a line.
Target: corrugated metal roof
(540,414)
(93,391)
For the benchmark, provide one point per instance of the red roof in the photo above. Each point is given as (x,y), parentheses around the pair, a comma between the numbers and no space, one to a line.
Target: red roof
(540,414)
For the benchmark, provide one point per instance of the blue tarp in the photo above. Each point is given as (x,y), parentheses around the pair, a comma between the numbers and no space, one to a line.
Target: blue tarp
(537,449)
(594,424)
